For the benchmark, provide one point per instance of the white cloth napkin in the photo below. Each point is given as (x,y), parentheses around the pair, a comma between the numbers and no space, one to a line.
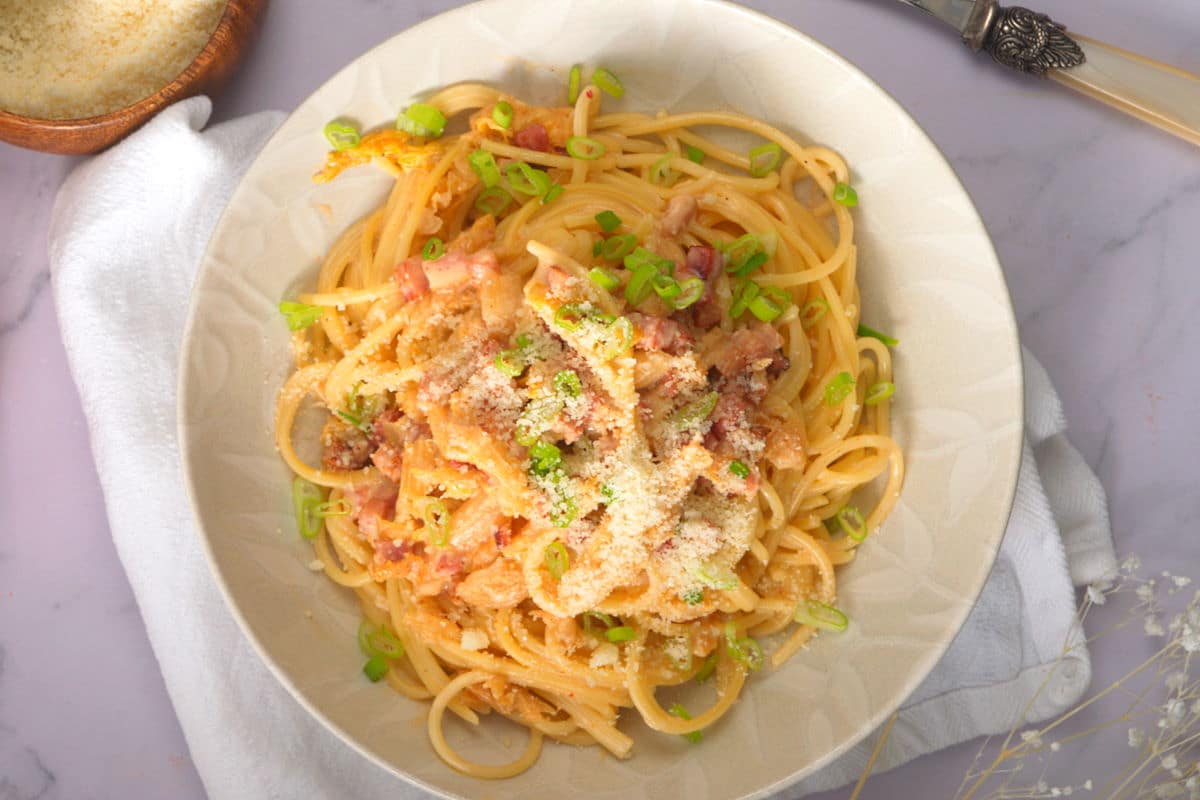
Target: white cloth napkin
(128,231)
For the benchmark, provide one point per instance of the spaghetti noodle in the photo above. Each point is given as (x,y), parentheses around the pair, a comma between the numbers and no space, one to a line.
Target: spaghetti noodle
(597,407)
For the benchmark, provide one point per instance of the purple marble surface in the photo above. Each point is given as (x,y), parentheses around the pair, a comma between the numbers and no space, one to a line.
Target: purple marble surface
(1096,219)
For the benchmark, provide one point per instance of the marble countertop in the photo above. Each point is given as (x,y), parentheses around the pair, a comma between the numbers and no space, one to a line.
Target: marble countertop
(1096,219)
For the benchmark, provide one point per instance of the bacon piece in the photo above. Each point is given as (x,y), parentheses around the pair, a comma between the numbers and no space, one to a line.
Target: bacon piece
(681,210)
(455,269)
(410,277)
(392,550)
(750,348)
(706,262)
(371,502)
(533,137)
(344,447)
(556,279)
(661,333)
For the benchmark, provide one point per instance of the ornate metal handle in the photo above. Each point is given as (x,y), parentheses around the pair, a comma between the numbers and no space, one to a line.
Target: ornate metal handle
(1024,40)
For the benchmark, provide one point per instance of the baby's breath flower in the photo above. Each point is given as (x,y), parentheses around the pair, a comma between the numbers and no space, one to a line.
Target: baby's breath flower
(1169,761)
(1131,564)
(1137,738)
(1153,627)
(1095,594)
(1145,591)
(1032,738)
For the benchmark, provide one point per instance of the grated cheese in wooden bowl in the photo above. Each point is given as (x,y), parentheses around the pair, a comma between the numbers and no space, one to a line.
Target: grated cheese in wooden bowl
(71,59)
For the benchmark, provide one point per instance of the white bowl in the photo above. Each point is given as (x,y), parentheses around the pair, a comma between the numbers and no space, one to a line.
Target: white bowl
(928,274)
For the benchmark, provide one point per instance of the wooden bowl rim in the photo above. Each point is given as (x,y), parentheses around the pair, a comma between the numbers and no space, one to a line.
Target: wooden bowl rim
(129,114)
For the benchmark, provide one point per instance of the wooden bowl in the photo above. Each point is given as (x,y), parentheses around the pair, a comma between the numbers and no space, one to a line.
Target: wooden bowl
(207,74)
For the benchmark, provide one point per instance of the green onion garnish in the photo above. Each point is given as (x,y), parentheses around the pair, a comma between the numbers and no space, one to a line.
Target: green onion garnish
(584,148)
(600,617)
(707,668)
(567,382)
(764,308)
(608,493)
(604,278)
(865,332)
(375,668)
(819,615)
(570,316)
(845,195)
(377,640)
(765,158)
(694,154)
(422,119)
(665,287)
(690,291)
(596,245)
(621,633)
(615,248)
(661,173)
(502,114)
(563,510)
(749,265)
(437,519)
(527,180)
(742,299)
(813,311)
(535,418)
(554,191)
(510,362)
(839,388)
(433,249)
(342,135)
(305,499)
(558,560)
(608,221)
(693,597)
(492,200)
(745,650)
(681,712)
(852,522)
(618,339)
(574,78)
(716,577)
(640,286)
(484,165)
(695,412)
(545,458)
(608,82)
(879,392)
(739,469)
(740,249)
(299,316)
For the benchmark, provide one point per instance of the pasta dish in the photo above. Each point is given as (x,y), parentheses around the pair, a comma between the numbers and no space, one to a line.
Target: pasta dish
(599,412)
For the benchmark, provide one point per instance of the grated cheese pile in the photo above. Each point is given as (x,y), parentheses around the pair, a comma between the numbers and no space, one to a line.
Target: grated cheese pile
(70,59)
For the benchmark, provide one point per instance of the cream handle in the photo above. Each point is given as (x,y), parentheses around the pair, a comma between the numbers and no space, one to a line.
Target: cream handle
(1151,91)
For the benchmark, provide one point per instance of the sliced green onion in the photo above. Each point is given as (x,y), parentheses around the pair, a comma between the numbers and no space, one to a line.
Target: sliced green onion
(484,165)
(640,286)
(765,158)
(765,308)
(682,713)
(305,499)
(694,154)
(608,493)
(740,249)
(707,668)
(695,412)
(596,245)
(527,180)
(641,257)
(535,418)
(813,311)
(546,458)
(563,510)
(574,78)
(608,221)
(377,640)
(492,200)
(355,420)
(665,287)
(502,114)
(510,362)
(554,191)
(879,392)
(558,560)
(661,173)
(690,291)
(433,249)
(746,651)
(621,633)
(715,577)
(342,135)
(845,195)
(615,248)
(600,617)
(567,382)
(839,388)
(852,522)
(608,82)
(693,597)
(739,469)
(570,316)
(437,519)
(865,332)
(741,301)
(749,265)
(299,316)
(422,119)
(604,278)
(618,339)
(819,615)
(584,148)
(375,668)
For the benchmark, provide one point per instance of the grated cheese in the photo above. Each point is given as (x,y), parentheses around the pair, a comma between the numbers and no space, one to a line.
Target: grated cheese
(89,57)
